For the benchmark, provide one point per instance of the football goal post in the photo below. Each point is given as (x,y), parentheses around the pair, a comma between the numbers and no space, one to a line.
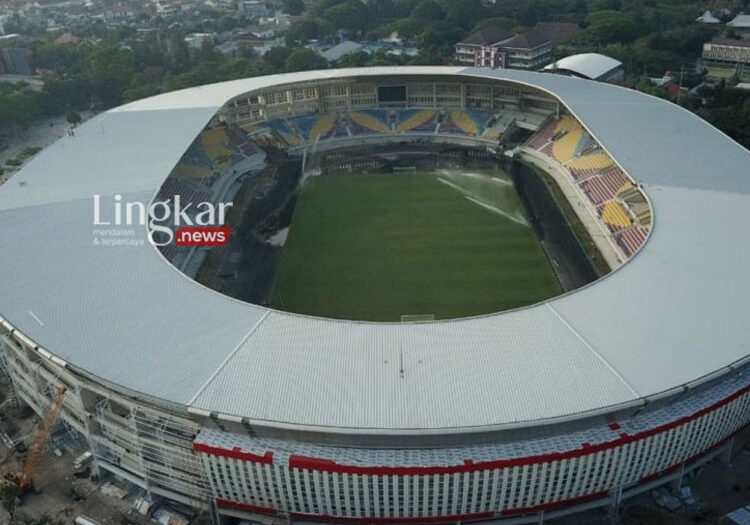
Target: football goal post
(404,169)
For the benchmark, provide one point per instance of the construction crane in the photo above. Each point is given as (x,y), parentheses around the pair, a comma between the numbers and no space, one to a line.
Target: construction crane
(24,479)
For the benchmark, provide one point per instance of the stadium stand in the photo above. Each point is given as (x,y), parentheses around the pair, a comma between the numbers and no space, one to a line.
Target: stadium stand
(604,184)
(470,122)
(631,239)
(614,215)
(604,187)
(567,137)
(424,120)
(215,145)
(543,136)
(302,130)
(316,127)
(188,192)
(594,162)
(369,121)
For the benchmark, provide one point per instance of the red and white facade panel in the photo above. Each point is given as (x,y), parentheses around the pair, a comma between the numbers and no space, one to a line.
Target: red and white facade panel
(336,483)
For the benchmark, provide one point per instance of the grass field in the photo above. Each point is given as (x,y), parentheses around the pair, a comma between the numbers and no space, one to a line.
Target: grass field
(376,247)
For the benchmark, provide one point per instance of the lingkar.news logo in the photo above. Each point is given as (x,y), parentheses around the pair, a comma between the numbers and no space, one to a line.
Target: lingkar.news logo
(189,224)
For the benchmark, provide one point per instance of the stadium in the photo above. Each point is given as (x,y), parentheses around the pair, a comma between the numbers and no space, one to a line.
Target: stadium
(515,410)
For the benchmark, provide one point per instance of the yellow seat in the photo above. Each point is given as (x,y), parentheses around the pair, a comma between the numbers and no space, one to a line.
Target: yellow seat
(564,148)
(370,122)
(465,122)
(322,126)
(416,120)
(614,214)
(597,161)
(213,143)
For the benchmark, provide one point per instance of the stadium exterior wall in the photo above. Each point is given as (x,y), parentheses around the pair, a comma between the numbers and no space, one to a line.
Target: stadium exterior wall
(209,463)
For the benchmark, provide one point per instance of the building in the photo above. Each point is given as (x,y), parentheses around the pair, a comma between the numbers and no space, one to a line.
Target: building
(339,51)
(740,22)
(592,66)
(16,60)
(195,41)
(253,8)
(494,48)
(257,414)
(480,48)
(727,57)
(529,50)
(708,18)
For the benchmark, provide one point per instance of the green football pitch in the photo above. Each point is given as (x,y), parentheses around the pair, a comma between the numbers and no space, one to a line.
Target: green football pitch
(379,247)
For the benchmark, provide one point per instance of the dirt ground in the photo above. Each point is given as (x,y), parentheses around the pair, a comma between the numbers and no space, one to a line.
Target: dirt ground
(40,135)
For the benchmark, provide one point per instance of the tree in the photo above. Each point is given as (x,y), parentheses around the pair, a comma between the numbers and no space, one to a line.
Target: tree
(612,26)
(308,29)
(407,27)
(304,59)
(440,34)
(73,117)
(9,493)
(428,10)
(293,7)
(351,15)
(465,14)
(276,58)
(109,70)
(384,10)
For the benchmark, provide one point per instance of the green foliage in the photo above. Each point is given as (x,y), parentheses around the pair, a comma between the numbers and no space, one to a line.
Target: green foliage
(308,29)
(729,111)
(466,14)
(276,58)
(8,495)
(607,27)
(29,152)
(108,70)
(352,15)
(407,27)
(384,10)
(428,10)
(439,35)
(43,520)
(304,59)
(73,117)
(293,7)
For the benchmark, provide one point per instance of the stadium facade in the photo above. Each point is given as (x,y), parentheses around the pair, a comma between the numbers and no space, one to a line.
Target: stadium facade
(248,412)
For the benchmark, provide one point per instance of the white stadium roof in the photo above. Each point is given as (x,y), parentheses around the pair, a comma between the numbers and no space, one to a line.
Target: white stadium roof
(589,65)
(676,313)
